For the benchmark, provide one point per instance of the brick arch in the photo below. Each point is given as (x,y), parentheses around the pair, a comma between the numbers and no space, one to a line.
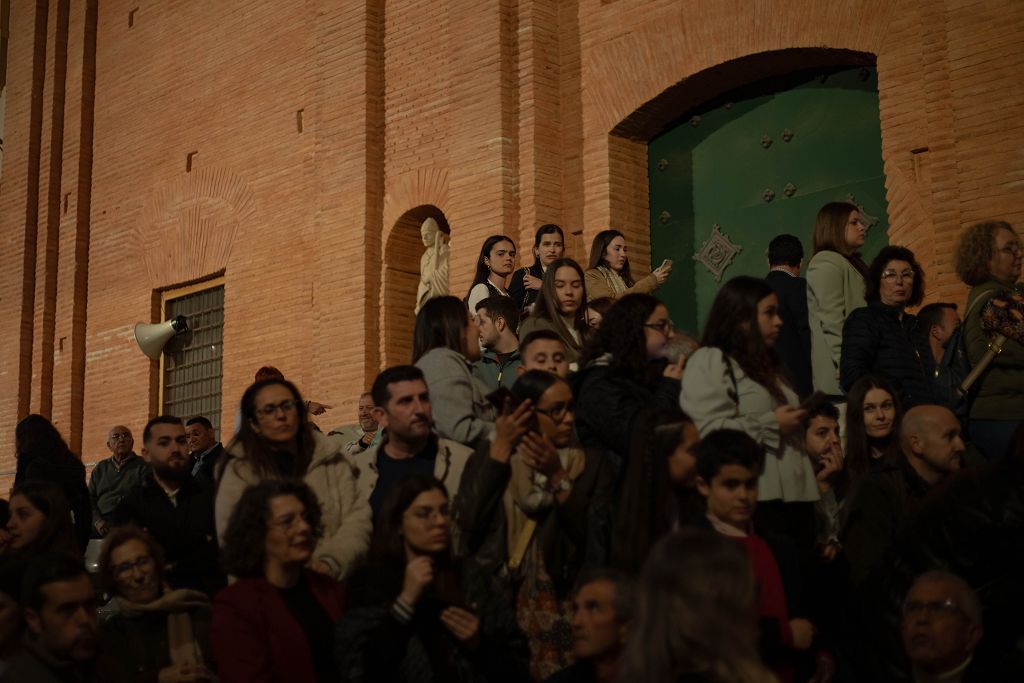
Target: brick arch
(628,201)
(426,186)
(631,70)
(400,276)
(188,225)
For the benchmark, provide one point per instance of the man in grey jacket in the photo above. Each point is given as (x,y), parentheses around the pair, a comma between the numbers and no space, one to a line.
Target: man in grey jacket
(114,478)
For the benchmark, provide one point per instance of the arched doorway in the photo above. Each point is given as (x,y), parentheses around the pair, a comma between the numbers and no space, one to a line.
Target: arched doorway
(758,161)
(399,281)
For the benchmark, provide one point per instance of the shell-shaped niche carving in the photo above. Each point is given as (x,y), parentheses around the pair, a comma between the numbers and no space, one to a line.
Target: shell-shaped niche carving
(188,225)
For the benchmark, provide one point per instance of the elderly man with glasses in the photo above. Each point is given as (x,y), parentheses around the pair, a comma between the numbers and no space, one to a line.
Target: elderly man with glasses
(941,628)
(114,478)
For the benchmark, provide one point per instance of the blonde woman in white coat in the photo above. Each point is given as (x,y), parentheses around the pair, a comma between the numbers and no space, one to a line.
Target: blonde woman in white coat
(277,441)
(735,381)
(835,288)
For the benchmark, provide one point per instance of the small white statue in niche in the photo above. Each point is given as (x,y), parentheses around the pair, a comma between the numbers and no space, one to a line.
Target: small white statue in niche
(717,253)
(433,263)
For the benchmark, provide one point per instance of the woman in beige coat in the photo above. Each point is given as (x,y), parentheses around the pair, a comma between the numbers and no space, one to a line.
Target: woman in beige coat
(835,287)
(277,441)
(609,275)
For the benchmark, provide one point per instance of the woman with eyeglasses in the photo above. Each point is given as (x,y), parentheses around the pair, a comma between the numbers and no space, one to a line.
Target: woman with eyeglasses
(277,441)
(881,338)
(542,508)
(736,380)
(835,287)
(988,260)
(150,633)
(496,262)
(623,370)
(276,622)
(562,308)
(609,273)
(415,613)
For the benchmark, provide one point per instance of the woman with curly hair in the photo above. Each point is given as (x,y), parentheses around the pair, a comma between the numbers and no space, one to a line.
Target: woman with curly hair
(276,440)
(275,623)
(696,615)
(988,260)
(414,613)
(624,370)
(835,287)
(150,633)
(882,338)
(735,380)
(609,275)
(43,455)
(561,308)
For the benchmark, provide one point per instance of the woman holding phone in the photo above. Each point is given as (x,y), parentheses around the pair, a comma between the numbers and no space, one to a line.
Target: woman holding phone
(609,274)
(542,509)
(735,380)
(414,613)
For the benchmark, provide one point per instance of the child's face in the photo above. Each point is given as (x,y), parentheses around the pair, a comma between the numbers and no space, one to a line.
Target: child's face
(731,495)
(821,437)
(682,464)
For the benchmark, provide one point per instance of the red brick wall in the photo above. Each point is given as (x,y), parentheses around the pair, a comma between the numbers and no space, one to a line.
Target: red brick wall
(493,116)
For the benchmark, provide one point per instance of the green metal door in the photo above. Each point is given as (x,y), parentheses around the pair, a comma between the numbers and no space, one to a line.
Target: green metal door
(758,163)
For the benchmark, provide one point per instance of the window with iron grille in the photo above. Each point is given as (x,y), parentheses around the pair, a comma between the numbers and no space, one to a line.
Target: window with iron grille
(192,371)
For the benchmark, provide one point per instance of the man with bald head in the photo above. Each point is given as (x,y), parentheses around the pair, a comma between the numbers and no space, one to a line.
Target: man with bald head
(114,478)
(941,626)
(884,501)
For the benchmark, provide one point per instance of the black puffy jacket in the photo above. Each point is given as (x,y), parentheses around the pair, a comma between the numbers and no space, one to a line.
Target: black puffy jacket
(608,401)
(876,341)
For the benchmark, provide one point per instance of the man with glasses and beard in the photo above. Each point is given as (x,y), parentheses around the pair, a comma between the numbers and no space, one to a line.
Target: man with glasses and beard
(175,509)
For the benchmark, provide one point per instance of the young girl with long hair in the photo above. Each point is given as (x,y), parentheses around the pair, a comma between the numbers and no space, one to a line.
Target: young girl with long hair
(446,340)
(561,307)
(624,370)
(40,521)
(609,273)
(735,380)
(873,413)
(496,262)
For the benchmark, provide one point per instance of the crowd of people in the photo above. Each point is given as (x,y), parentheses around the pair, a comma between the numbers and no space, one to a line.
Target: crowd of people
(563,487)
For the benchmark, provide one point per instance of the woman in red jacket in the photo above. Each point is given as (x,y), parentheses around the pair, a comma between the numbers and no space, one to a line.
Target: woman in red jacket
(276,623)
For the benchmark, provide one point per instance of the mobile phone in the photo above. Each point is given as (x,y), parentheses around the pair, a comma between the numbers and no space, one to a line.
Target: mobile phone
(667,263)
